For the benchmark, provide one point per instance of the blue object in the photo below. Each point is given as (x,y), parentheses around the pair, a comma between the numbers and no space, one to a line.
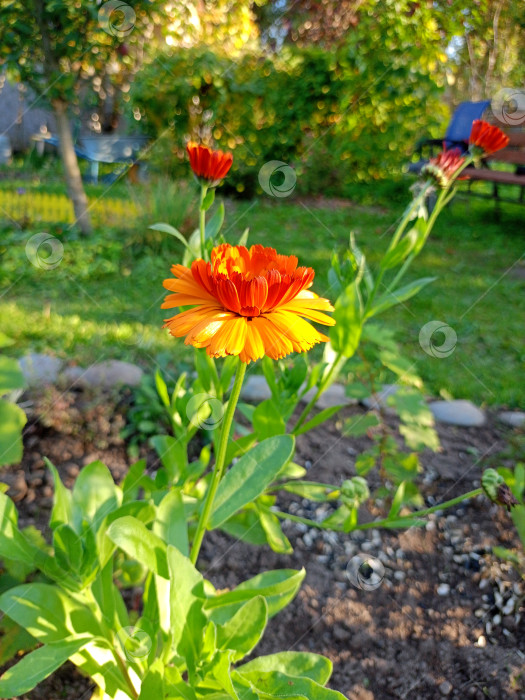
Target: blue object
(106,149)
(460,125)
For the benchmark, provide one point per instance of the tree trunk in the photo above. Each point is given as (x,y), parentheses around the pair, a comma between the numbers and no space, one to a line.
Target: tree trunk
(72,171)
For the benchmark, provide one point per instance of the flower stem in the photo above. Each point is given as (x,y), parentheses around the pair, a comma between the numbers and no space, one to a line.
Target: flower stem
(385,522)
(218,469)
(202,221)
(325,383)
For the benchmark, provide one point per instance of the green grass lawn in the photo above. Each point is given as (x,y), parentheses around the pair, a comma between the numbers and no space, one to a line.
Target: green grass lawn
(103,299)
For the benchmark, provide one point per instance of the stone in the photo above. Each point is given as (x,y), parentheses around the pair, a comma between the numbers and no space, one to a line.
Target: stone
(516,419)
(255,389)
(443,589)
(334,396)
(379,400)
(39,369)
(108,374)
(446,688)
(71,376)
(459,412)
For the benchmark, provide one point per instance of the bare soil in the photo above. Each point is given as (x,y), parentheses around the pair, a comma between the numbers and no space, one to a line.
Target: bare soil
(439,624)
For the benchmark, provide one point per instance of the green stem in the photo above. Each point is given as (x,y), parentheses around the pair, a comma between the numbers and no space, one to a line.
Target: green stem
(337,365)
(385,522)
(202,221)
(220,465)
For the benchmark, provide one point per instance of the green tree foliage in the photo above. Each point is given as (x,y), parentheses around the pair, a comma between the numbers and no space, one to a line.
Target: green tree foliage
(337,116)
(57,48)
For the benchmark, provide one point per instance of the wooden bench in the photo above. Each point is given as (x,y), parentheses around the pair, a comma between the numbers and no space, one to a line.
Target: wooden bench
(514,155)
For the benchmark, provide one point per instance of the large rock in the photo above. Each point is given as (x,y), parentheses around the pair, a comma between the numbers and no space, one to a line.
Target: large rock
(458,412)
(255,389)
(333,396)
(379,400)
(516,419)
(39,369)
(105,375)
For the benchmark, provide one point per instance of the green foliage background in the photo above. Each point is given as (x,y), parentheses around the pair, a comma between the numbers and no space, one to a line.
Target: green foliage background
(338,116)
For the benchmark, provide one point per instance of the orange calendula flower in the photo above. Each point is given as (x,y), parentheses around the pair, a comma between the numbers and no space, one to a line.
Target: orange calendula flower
(443,167)
(486,137)
(247,302)
(210,166)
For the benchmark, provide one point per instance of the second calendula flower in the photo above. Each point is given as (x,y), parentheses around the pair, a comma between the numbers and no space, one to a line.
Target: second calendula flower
(246,302)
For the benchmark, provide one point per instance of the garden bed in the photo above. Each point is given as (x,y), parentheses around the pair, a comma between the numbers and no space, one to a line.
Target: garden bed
(439,625)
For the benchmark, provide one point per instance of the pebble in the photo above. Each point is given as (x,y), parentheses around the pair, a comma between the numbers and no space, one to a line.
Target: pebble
(482,642)
(443,589)
(445,688)
(458,412)
(399,575)
(496,619)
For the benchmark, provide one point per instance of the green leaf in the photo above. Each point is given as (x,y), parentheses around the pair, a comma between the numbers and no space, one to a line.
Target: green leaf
(187,621)
(12,421)
(132,481)
(400,251)
(359,425)
(153,684)
(62,502)
(214,225)
(208,199)
(36,666)
(312,490)
(292,471)
(280,684)
(11,376)
(267,420)
(47,612)
(302,664)
(279,587)
(173,455)
(242,631)
(170,523)
(134,538)
(243,240)
(95,494)
(13,544)
(246,526)
(166,228)
(321,417)
(274,533)
(68,548)
(397,501)
(398,296)
(346,333)
(250,476)
(162,389)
